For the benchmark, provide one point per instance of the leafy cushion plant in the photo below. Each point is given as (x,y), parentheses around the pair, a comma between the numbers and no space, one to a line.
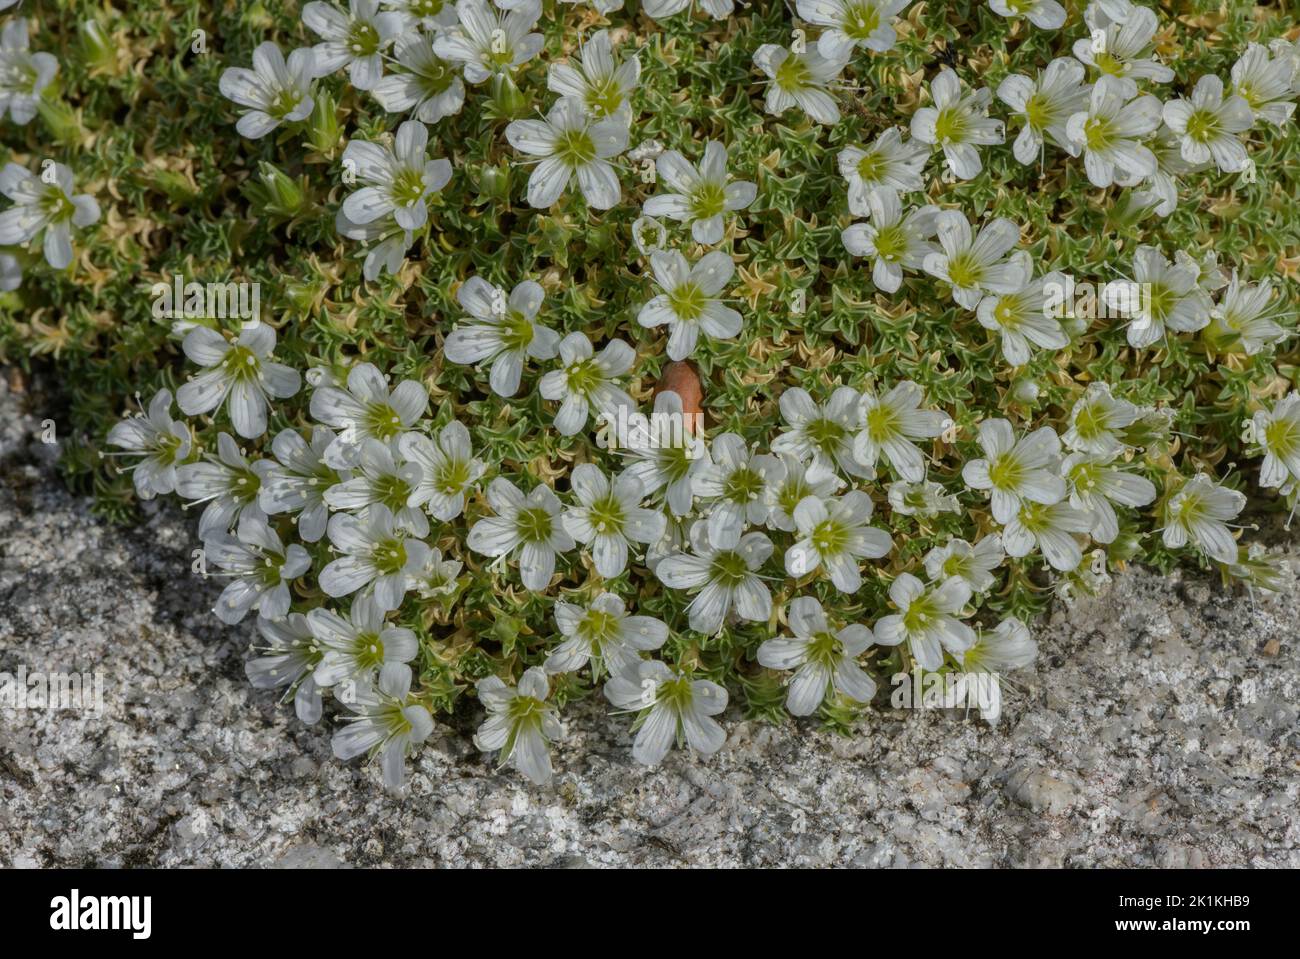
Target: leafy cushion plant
(684,353)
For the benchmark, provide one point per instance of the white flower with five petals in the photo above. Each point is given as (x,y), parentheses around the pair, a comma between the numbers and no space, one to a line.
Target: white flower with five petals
(586,380)
(356,39)
(690,303)
(608,516)
(800,79)
(399,182)
(699,198)
(672,707)
(503,330)
(724,580)
(958,123)
(520,723)
(1016,470)
(928,619)
(273,92)
(528,527)
(570,146)
(44,207)
(823,660)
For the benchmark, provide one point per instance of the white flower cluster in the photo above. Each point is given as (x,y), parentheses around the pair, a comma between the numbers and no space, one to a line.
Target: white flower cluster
(45,205)
(1125,138)
(364,484)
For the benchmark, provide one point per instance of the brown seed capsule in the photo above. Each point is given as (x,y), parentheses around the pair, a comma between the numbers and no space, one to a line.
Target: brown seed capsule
(683,378)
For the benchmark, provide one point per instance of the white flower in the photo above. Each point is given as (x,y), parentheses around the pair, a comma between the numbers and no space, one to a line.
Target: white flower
(672,707)
(924,498)
(603,85)
(489,42)
(1022,315)
(1110,130)
(397,182)
(1044,14)
(298,483)
(356,39)
(1160,189)
(926,619)
(432,15)
(1006,647)
(23,75)
(799,79)
(1096,421)
(503,330)
(603,632)
(1045,106)
(1265,84)
(822,434)
(438,576)
(975,265)
(699,198)
(1244,318)
(425,83)
(1171,297)
(288,659)
(571,146)
(260,567)
(356,647)
(381,478)
(386,242)
(662,9)
(161,442)
(1016,470)
(377,556)
(667,454)
(1278,433)
(45,209)
(1095,484)
(1208,125)
(528,526)
(387,723)
(834,533)
(891,424)
(274,91)
(241,371)
(893,241)
(733,485)
(852,23)
(608,516)
(1198,513)
(520,723)
(1125,55)
(787,490)
(446,469)
(366,410)
(973,564)
(1003,649)
(888,164)
(822,660)
(585,380)
(1050,528)
(226,482)
(726,579)
(690,303)
(1288,51)
(958,123)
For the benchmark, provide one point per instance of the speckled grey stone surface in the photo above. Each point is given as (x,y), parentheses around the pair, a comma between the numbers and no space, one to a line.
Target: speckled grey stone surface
(1158,728)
